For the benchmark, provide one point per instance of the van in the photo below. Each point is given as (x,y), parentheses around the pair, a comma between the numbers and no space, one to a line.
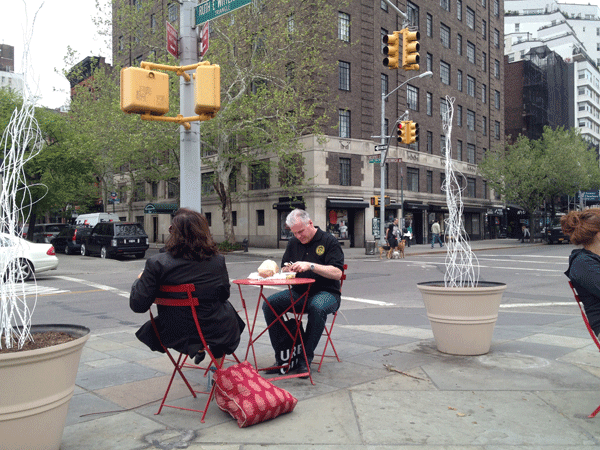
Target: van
(92,219)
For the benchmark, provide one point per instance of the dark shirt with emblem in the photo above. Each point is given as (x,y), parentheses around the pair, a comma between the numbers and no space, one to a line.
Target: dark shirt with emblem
(323,249)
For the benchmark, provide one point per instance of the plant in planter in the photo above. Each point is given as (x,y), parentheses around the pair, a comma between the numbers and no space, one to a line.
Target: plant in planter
(37,371)
(461,309)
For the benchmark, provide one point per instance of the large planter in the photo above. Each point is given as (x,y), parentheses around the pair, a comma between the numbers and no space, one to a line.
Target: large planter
(462,318)
(36,387)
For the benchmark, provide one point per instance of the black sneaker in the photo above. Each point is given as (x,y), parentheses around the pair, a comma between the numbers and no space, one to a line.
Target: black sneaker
(303,368)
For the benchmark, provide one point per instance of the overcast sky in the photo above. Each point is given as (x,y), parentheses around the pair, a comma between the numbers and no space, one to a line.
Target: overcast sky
(59,23)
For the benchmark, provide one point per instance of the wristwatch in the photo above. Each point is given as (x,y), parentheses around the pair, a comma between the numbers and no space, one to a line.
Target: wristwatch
(312,267)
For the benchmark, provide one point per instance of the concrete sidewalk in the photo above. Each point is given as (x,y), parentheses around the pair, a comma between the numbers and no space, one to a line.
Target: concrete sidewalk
(533,390)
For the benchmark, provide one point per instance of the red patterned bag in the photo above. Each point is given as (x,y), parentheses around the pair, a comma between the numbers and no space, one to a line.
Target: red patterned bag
(248,397)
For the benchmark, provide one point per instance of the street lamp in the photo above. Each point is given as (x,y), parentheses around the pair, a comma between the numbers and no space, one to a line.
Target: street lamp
(384,97)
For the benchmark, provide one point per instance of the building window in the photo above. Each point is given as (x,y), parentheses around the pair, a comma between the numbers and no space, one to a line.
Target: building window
(459,116)
(445,72)
(384,85)
(445,35)
(412,11)
(484,125)
(173,10)
(497,99)
(259,176)
(470,85)
(484,29)
(429,25)
(260,217)
(459,150)
(344,70)
(471,52)
(497,129)
(345,172)
(412,179)
(470,18)
(429,62)
(443,108)
(459,80)
(234,218)
(207,184)
(343,27)
(383,5)
(344,123)
(470,120)
(430,181)
(412,97)
(497,68)
(496,38)
(483,93)
(445,4)
(172,188)
(459,44)
(291,24)
(442,181)
(154,188)
(459,9)
(208,218)
(429,104)
(442,145)
(139,193)
(430,142)
(485,189)
(121,43)
(471,153)
(153,24)
(496,8)
(471,188)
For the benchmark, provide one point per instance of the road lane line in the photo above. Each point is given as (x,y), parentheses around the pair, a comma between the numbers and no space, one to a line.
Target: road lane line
(95,285)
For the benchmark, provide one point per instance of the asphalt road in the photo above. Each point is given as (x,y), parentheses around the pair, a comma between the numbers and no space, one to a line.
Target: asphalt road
(94,292)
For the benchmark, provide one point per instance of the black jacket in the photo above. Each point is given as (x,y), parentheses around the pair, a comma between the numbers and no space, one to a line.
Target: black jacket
(584,272)
(220,323)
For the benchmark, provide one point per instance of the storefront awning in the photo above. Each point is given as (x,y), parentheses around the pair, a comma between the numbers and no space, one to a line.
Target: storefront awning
(288,205)
(160,208)
(412,205)
(345,204)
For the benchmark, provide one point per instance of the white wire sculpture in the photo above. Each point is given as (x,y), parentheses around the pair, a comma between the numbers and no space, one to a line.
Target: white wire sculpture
(462,266)
(21,141)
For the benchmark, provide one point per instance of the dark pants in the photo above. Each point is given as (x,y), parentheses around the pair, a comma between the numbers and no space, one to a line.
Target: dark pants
(318,307)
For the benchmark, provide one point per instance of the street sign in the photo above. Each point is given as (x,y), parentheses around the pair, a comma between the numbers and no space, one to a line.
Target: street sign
(211,9)
(375,161)
(172,40)
(375,158)
(204,39)
(380,148)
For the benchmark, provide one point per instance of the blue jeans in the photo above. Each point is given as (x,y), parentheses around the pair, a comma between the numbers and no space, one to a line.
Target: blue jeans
(435,237)
(318,307)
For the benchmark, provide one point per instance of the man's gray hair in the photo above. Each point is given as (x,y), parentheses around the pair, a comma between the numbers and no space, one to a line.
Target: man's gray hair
(297,215)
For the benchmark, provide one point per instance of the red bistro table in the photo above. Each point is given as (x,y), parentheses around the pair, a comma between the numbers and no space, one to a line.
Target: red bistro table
(291,309)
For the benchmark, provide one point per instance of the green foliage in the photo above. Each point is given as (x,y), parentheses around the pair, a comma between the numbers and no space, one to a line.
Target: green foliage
(531,171)
(226,246)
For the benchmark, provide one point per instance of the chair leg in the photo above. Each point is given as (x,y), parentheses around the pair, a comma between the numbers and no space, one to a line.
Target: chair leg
(328,332)
(596,411)
(177,369)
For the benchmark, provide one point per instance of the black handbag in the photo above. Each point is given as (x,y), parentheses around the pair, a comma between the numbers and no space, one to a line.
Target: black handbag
(286,353)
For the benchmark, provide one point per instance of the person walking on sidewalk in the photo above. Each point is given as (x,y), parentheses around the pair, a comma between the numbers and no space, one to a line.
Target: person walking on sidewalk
(318,255)
(435,234)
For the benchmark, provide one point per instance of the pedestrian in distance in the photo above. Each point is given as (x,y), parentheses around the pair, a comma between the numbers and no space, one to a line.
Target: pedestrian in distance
(435,234)
(391,234)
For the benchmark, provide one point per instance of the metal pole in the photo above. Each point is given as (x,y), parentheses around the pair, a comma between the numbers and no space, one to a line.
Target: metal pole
(189,140)
(382,177)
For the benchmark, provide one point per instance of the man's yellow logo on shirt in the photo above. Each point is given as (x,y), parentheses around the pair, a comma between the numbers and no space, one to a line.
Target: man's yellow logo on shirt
(320,250)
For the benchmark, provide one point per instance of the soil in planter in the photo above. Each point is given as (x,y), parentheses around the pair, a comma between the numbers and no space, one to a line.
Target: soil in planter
(40,340)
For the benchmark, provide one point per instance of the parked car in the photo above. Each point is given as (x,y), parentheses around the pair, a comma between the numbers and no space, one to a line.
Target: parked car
(92,219)
(554,233)
(115,239)
(69,240)
(44,232)
(30,257)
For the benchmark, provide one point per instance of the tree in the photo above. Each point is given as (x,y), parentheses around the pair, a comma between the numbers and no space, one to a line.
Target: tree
(273,67)
(530,171)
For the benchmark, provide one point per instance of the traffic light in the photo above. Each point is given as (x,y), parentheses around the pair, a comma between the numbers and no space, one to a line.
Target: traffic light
(392,50)
(410,49)
(375,200)
(402,129)
(412,132)
(207,89)
(144,91)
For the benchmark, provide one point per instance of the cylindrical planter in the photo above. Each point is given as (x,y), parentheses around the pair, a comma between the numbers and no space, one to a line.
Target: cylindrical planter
(37,386)
(462,318)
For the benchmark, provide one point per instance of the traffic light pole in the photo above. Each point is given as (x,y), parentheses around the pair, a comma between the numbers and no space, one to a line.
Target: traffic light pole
(383,138)
(189,139)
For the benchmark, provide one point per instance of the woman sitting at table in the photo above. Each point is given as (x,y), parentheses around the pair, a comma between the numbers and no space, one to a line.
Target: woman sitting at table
(190,256)
(583,228)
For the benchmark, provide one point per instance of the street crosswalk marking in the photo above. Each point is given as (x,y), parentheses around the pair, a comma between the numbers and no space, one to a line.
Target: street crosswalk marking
(32,289)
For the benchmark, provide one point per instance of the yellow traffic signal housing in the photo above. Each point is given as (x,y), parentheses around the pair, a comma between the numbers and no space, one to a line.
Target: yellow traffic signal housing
(410,49)
(207,90)
(412,132)
(144,91)
(402,129)
(375,200)
(392,50)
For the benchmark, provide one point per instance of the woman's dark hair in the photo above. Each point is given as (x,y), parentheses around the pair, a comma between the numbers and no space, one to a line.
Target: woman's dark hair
(581,226)
(190,236)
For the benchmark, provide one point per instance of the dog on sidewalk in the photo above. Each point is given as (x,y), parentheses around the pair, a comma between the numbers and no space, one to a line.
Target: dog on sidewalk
(392,252)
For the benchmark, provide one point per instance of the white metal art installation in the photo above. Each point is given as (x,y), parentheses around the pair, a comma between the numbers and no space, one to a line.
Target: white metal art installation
(462,267)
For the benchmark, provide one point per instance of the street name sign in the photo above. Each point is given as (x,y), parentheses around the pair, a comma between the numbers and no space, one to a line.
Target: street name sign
(211,9)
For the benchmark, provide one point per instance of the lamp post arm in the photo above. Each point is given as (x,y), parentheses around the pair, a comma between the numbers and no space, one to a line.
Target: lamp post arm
(404,16)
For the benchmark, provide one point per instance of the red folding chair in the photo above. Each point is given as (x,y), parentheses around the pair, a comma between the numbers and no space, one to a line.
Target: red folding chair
(327,331)
(179,364)
(592,334)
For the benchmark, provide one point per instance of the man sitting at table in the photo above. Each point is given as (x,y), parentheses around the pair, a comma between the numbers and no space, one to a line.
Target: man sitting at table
(311,253)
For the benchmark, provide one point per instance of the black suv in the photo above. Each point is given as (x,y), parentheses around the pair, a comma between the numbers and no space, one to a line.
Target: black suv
(69,240)
(554,233)
(115,239)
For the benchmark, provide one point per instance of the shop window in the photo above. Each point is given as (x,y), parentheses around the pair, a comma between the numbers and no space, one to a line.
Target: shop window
(337,223)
